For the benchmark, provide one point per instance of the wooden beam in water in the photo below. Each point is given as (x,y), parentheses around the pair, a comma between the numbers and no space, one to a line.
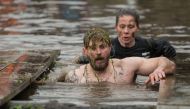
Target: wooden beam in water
(17,74)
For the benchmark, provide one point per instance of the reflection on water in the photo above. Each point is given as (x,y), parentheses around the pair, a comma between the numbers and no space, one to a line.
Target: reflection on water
(60,24)
(94,94)
(8,8)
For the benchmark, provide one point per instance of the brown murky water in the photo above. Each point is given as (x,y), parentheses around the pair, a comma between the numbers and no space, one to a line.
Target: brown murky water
(60,24)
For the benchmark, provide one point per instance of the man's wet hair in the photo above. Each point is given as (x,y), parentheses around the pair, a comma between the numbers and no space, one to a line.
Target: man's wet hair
(96,34)
(124,12)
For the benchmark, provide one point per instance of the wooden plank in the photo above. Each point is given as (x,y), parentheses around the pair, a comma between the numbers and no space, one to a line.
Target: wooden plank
(17,75)
(7,57)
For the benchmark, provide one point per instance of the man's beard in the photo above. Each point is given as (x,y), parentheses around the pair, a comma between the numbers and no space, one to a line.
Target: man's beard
(100,67)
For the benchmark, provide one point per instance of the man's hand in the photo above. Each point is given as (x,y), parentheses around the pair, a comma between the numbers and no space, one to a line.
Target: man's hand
(156,76)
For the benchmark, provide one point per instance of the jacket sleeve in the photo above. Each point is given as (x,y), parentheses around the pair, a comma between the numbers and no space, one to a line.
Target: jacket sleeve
(163,48)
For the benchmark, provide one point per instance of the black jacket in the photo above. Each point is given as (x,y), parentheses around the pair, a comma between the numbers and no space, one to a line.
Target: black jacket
(143,48)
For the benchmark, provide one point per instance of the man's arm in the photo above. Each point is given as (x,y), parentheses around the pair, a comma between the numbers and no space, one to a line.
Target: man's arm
(155,68)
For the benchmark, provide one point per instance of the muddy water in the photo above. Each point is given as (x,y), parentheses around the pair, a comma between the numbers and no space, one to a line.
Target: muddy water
(60,24)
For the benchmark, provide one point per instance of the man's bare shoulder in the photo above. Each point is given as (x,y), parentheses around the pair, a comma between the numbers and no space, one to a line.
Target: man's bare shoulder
(80,70)
(124,61)
(136,60)
(116,62)
(75,75)
(133,59)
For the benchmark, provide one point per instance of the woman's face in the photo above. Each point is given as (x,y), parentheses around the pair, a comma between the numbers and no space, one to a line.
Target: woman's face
(126,28)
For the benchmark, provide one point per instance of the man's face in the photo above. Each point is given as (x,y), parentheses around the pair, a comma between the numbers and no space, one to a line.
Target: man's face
(98,54)
(126,29)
